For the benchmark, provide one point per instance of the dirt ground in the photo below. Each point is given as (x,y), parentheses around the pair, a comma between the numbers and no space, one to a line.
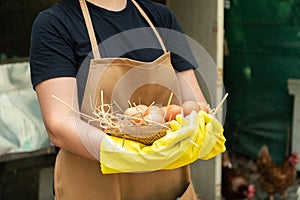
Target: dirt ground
(249,168)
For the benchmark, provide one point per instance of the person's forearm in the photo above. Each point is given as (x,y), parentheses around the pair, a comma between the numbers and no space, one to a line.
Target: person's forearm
(191,90)
(78,137)
(58,100)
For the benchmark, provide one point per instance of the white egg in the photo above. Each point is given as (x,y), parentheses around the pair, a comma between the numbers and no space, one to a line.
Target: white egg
(154,117)
(189,106)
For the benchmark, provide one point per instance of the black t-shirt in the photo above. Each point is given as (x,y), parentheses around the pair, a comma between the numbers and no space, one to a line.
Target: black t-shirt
(60,41)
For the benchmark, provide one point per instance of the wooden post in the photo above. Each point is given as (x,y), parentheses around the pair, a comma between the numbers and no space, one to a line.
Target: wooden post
(203,21)
(294,89)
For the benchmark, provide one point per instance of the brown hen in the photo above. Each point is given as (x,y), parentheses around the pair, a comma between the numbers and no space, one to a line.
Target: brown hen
(276,178)
(235,185)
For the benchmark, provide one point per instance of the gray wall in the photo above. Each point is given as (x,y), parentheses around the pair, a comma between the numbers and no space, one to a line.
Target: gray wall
(203,21)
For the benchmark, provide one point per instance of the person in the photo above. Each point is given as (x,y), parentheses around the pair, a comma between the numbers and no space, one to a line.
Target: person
(60,44)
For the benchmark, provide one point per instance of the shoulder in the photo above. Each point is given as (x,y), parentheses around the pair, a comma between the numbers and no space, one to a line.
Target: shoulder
(57,21)
(58,15)
(163,14)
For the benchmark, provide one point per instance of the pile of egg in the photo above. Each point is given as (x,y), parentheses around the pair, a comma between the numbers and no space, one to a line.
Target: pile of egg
(143,114)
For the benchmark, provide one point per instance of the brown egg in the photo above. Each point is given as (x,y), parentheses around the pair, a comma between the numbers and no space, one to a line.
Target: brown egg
(134,112)
(172,111)
(189,106)
(130,111)
(203,106)
(141,108)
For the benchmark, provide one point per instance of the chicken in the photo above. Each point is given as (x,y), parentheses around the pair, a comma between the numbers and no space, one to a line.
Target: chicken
(276,178)
(234,184)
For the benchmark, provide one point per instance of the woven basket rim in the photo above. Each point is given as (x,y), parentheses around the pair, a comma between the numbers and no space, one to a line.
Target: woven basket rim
(145,136)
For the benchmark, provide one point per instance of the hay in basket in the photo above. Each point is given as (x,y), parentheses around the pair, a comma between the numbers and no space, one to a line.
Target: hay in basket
(135,127)
(132,125)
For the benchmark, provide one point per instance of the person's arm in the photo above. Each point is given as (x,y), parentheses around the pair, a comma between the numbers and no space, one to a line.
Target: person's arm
(191,90)
(65,128)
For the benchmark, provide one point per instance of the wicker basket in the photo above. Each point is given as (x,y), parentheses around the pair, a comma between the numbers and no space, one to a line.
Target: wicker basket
(145,134)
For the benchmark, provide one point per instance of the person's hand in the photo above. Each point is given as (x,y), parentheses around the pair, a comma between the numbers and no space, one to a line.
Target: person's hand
(198,137)
(208,139)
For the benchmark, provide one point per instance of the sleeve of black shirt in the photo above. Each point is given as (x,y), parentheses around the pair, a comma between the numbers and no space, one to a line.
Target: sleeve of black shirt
(51,53)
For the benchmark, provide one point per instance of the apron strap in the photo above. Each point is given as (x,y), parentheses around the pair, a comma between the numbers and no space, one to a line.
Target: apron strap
(91,31)
(151,25)
(90,28)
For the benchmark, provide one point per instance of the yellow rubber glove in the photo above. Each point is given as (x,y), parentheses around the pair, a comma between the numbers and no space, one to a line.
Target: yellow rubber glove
(198,137)
(209,139)
(120,155)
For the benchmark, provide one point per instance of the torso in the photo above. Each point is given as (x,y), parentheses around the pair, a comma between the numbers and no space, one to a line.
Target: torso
(64,23)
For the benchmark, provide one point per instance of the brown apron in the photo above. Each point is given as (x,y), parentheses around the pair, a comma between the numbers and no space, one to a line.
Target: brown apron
(78,178)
